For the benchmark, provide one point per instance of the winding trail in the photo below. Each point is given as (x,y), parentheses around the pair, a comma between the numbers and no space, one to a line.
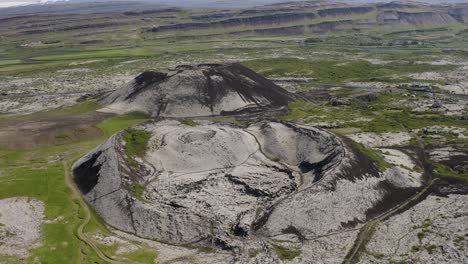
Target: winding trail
(81,235)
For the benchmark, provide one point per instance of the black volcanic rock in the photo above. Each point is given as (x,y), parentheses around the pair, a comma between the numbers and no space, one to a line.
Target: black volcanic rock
(371,97)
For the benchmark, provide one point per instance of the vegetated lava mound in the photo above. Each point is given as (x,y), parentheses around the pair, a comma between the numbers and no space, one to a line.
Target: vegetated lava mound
(211,184)
(199,90)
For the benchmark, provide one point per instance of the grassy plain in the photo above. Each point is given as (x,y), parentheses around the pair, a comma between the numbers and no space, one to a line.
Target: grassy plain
(338,72)
(388,114)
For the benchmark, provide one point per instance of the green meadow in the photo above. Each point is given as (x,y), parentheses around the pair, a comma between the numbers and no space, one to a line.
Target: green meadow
(39,173)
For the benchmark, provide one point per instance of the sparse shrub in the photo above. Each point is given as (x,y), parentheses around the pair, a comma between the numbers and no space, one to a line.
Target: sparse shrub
(430,249)
(189,122)
(421,235)
(427,223)
(285,253)
(225,119)
(415,248)
(253,253)
(63,136)
(381,164)
(441,170)
(138,191)
(136,144)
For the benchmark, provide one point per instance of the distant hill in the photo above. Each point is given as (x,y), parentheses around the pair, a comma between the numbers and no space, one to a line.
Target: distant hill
(198,90)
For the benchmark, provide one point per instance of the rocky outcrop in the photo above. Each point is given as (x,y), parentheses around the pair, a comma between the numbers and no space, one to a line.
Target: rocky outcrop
(210,16)
(276,31)
(397,5)
(93,25)
(235,22)
(72,28)
(344,11)
(154,11)
(200,90)
(280,31)
(459,13)
(330,25)
(249,12)
(420,18)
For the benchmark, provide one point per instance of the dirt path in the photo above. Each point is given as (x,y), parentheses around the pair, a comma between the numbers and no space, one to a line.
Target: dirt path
(81,235)
(366,232)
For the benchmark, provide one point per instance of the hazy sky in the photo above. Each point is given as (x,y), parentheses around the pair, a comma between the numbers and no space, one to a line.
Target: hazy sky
(4,3)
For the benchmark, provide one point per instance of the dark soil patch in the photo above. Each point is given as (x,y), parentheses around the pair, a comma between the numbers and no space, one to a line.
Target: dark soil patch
(361,165)
(28,134)
(315,96)
(395,196)
(457,162)
(448,185)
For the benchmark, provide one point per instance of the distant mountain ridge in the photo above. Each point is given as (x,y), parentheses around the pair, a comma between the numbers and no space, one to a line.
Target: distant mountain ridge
(78,7)
(28,7)
(160,21)
(177,3)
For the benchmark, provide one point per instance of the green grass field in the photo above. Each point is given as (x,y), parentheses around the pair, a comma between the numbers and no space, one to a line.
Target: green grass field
(337,72)
(129,52)
(39,173)
(387,114)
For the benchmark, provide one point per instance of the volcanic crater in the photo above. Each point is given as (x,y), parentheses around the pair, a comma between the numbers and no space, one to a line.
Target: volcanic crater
(220,184)
(206,181)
